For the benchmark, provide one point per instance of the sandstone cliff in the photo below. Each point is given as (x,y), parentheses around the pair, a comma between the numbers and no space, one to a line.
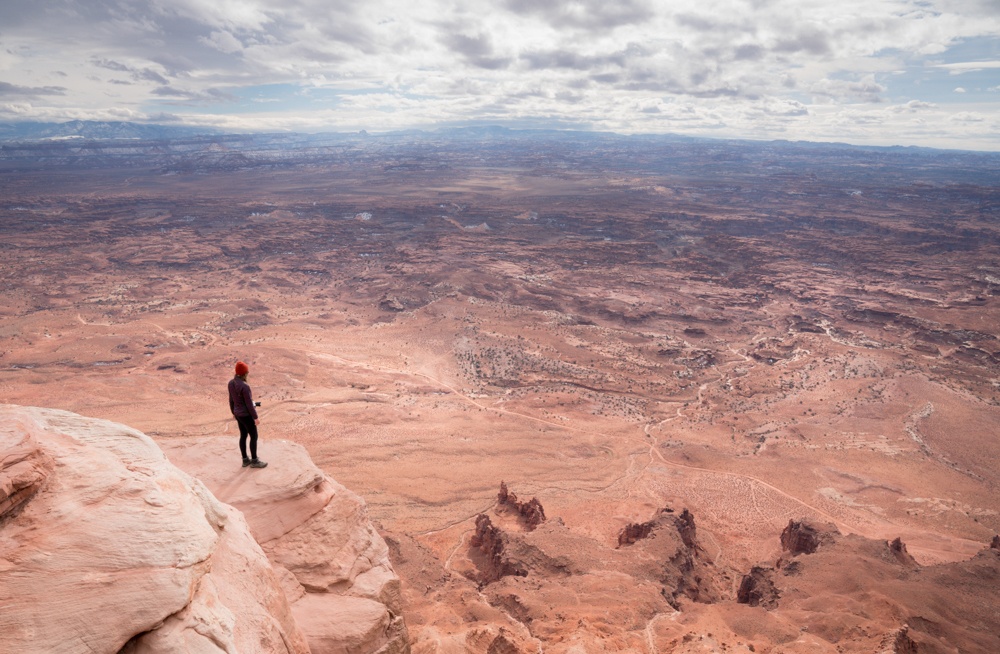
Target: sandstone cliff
(333,565)
(106,546)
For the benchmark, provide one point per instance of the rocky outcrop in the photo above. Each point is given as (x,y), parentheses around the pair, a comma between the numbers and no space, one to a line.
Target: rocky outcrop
(531,512)
(391,303)
(684,523)
(492,542)
(23,469)
(897,641)
(804,537)
(694,577)
(943,607)
(333,565)
(757,588)
(634,532)
(898,550)
(105,546)
(686,528)
(995,543)
(686,573)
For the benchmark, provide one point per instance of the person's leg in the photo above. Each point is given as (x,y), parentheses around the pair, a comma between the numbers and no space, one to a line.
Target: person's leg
(252,428)
(254,461)
(244,431)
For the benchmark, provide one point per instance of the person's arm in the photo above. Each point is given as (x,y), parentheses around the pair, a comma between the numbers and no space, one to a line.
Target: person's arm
(248,398)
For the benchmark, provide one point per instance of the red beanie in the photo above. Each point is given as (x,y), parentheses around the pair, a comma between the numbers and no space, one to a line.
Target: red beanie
(242,368)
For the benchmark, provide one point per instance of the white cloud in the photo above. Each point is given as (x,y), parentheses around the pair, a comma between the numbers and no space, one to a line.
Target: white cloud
(224,41)
(911,107)
(229,14)
(865,89)
(969,66)
(740,67)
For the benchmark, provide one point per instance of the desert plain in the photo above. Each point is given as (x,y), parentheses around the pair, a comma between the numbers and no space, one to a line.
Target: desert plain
(621,328)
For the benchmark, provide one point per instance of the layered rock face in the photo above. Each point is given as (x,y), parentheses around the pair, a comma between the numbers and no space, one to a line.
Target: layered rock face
(106,546)
(333,565)
(561,589)
(844,589)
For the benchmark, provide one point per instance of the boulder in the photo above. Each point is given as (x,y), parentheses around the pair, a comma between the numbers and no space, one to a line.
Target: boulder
(317,534)
(105,546)
(805,537)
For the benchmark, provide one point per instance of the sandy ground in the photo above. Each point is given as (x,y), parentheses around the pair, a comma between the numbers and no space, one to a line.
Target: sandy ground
(586,349)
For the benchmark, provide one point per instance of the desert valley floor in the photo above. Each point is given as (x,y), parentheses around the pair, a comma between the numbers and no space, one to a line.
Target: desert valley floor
(622,330)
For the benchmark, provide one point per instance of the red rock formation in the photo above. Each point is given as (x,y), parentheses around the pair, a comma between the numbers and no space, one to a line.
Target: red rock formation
(995,543)
(758,589)
(898,550)
(685,527)
(531,512)
(684,523)
(23,469)
(503,644)
(947,607)
(800,537)
(686,574)
(897,641)
(504,495)
(492,543)
(633,532)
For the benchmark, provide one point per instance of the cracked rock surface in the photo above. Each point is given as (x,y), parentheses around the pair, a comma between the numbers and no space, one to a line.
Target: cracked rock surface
(109,547)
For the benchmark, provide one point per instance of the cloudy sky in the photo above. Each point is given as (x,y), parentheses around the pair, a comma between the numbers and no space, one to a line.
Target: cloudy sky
(911,72)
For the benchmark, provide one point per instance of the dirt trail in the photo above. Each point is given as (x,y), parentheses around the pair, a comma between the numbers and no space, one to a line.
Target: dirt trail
(653,448)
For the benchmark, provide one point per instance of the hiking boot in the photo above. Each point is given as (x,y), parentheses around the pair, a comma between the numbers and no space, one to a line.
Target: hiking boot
(246,462)
(257,463)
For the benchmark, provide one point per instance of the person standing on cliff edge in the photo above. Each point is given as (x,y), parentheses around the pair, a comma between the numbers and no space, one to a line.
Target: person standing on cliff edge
(244,409)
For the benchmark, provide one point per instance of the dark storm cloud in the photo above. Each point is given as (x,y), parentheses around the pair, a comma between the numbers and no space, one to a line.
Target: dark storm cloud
(8,90)
(596,15)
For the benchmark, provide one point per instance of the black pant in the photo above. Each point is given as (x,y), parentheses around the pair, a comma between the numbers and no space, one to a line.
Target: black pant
(247,428)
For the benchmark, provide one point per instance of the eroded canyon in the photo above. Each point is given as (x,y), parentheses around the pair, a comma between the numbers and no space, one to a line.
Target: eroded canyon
(676,347)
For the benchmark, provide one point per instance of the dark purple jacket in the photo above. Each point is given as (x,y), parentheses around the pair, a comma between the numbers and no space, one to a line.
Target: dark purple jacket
(240,399)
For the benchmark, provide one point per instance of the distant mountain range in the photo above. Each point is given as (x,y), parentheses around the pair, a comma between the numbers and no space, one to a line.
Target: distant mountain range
(93,130)
(97,130)
(175,148)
